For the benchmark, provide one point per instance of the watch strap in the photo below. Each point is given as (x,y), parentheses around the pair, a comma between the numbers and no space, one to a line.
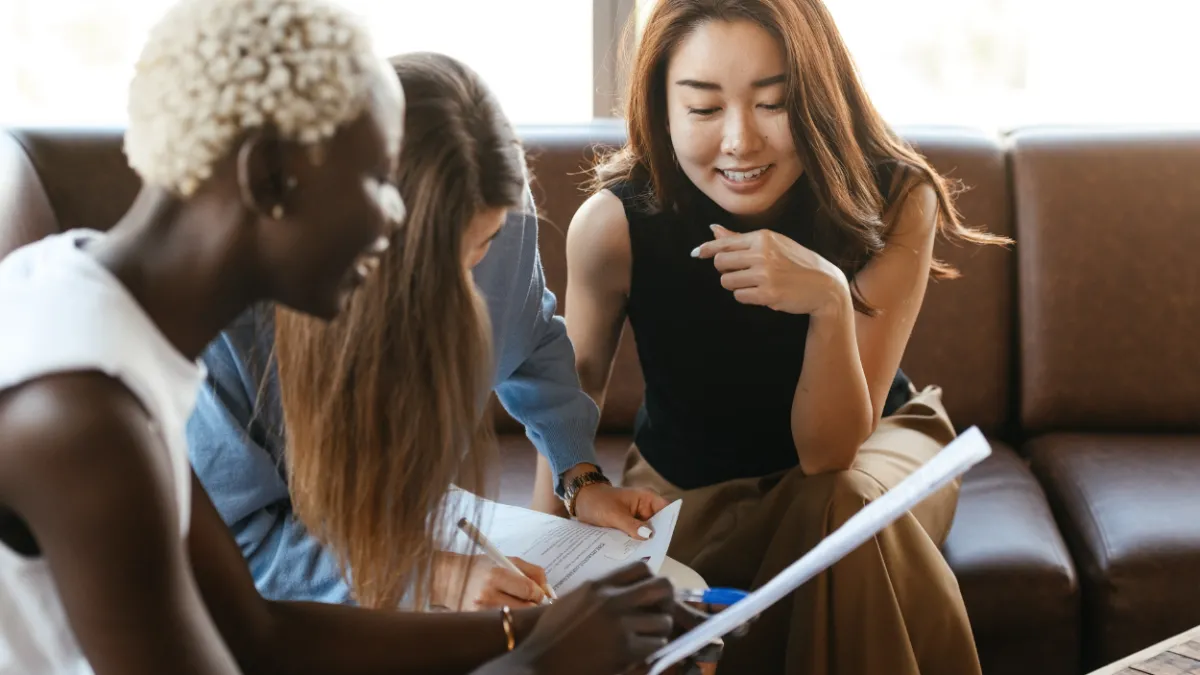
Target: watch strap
(578,483)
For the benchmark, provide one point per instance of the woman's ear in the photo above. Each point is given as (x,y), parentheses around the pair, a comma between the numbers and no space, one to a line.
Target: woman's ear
(260,175)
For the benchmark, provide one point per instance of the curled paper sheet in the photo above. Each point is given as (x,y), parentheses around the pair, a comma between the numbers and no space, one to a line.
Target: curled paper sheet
(570,552)
(961,454)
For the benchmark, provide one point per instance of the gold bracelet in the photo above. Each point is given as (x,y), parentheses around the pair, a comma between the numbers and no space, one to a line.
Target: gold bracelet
(506,620)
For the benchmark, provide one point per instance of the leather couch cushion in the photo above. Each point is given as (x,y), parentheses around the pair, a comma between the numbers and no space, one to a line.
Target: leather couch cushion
(1108,229)
(1129,507)
(1016,575)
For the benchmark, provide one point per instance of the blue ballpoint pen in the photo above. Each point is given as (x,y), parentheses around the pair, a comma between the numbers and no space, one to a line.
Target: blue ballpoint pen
(710,596)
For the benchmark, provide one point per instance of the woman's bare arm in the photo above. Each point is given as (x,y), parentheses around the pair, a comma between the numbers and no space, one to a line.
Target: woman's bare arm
(599,261)
(298,638)
(851,358)
(83,468)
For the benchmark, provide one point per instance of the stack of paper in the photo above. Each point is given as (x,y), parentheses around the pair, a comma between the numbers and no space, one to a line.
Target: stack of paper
(571,552)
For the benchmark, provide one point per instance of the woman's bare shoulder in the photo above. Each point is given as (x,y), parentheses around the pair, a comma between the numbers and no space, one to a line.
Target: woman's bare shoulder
(598,238)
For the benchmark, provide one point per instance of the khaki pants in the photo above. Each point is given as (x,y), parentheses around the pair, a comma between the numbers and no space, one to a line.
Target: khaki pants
(890,607)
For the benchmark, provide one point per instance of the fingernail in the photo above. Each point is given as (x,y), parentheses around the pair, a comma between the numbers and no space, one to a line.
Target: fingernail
(696,252)
(713,227)
(645,532)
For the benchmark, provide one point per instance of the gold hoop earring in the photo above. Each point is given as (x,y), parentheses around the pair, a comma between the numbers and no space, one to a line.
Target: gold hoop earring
(243,175)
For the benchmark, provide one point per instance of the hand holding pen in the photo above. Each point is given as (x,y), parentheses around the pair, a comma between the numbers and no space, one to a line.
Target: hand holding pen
(500,560)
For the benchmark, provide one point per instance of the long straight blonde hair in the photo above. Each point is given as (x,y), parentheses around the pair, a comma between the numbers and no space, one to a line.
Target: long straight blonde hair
(385,406)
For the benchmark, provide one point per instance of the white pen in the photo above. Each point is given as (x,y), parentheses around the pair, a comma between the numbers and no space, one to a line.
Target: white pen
(494,554)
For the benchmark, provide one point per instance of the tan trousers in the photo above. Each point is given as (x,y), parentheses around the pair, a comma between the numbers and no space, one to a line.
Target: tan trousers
(891,607)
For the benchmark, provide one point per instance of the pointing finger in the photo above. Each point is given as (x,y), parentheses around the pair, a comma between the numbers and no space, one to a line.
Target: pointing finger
(719,231)
(734,242)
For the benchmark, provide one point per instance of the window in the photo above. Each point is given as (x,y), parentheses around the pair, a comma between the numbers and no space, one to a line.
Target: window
(1007,63)
(536,55)
(990,63)
(69,61)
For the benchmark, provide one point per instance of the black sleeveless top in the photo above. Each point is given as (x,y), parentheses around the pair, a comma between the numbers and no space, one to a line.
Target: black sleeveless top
(720,376)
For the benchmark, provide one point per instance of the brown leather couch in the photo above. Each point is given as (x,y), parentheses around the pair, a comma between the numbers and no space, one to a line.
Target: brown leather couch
(1078,541)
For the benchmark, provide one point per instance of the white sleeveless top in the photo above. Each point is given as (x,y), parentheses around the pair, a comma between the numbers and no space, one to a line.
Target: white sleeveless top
(63,311)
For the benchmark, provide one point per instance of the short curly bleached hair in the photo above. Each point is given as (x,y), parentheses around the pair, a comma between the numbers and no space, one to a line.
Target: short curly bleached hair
(214,69)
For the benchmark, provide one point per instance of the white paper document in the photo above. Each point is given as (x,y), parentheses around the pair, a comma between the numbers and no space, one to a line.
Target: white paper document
(964,452)
(571,552)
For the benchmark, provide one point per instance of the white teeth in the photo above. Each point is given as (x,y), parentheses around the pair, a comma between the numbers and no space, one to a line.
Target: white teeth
(381,244)
(741,176)
(390,202)
(366,267)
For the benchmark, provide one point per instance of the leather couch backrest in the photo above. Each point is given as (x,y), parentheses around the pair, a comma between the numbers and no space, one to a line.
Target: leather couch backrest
(84,173)
(26,214)
(963,341)
(559,159)
(1109,228)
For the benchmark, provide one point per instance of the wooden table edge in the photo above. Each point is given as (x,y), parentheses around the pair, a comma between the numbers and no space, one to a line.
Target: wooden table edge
(1149,652)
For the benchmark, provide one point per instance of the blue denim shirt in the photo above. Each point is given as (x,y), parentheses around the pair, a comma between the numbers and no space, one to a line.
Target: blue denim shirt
(236,437)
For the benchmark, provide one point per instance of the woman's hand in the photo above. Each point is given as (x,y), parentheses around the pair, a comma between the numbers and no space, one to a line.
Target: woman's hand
(604,627)
(624,509)
(610,625)
(487,585)
(766,268)
(619,508)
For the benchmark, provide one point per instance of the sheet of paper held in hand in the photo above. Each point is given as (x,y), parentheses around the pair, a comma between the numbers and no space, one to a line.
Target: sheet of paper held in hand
(570,552)
(961,454)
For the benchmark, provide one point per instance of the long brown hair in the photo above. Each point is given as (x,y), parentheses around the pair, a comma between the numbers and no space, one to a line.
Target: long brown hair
(384,407)
(841,138)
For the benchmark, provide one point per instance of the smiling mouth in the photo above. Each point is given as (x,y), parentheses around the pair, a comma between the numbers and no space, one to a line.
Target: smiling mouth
(365,266)
(744,176)
(368,263)
(379,246)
